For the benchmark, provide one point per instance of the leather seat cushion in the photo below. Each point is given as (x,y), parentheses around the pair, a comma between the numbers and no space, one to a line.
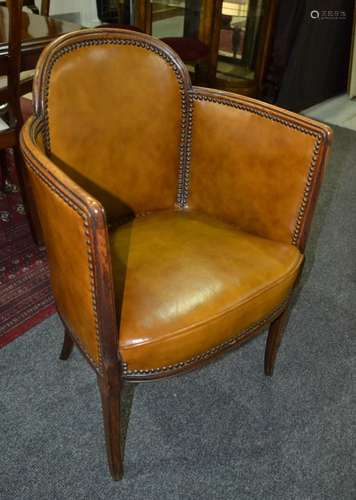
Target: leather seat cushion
(186,282)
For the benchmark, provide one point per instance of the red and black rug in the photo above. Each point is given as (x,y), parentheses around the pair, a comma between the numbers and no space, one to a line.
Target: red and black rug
(25,293)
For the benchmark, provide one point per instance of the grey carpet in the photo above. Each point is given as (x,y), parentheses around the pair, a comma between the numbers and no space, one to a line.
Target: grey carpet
(224,432)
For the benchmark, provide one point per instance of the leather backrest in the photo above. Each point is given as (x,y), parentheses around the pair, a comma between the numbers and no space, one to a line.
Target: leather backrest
(114,104)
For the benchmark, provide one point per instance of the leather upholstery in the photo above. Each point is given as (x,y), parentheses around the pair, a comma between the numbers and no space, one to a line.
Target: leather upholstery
(136,135)
(253,170)
(186,282)
(66,243)
(207,205)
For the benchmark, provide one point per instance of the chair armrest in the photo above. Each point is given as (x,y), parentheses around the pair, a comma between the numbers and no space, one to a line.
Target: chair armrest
(76,238)
(255,165)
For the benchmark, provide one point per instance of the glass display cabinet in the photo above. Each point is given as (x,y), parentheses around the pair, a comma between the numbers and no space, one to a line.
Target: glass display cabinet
(241,44)
(187,26)
(224,43)
(116,11)
(176,18)
(230,38)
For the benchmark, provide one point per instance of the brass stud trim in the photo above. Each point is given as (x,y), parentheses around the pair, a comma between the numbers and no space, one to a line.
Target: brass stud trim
(210,352)
(187,163)
(38,126)
(183,90)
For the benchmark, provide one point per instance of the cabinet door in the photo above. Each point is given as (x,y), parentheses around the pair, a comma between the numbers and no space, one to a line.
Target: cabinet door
(114,11)
(177,18)
(244,33)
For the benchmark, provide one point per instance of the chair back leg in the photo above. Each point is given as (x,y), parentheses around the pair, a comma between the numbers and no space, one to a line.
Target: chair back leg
(274,338)
(67,345)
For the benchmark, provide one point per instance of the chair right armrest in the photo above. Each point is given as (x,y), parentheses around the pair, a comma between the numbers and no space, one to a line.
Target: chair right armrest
(255,165)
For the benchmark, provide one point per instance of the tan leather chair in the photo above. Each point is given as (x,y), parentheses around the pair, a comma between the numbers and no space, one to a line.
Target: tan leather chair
(175,218)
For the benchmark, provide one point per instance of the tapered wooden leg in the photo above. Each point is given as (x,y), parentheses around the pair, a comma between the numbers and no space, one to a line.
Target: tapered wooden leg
(67,346)
(274,338)
(110,389)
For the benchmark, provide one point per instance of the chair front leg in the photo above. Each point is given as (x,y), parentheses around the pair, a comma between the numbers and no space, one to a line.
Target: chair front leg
(110,391)
(274,338)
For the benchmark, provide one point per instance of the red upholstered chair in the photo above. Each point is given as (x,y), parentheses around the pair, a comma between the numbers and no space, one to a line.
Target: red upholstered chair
(190,50)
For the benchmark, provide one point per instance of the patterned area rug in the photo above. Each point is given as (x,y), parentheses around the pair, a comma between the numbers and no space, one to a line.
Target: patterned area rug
(25,293)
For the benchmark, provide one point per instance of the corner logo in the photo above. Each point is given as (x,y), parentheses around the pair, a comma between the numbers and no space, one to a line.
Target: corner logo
(328,15)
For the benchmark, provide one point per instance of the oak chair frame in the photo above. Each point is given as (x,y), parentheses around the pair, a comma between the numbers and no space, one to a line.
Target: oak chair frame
(110,370)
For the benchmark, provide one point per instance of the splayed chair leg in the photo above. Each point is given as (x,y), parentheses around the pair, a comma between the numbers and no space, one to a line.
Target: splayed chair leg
(110,391)
(67,346)
(274,338)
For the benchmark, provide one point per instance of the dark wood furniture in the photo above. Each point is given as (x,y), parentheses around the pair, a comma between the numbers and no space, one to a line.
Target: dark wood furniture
(22,38)
(175,218)
(37,33)
(241,45)
(10,95)
(195,44)
(225,44)
(25,3)
(44,9)
(228,43)
(45,6)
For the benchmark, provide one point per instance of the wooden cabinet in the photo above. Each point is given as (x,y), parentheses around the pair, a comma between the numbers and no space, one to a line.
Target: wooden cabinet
(241,45)
(225,43)
(237,33)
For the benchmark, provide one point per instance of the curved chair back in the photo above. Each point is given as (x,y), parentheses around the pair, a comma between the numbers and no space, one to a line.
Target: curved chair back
(131,92)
